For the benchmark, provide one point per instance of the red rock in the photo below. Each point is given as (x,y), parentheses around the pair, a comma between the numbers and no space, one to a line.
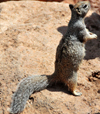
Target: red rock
(29,34)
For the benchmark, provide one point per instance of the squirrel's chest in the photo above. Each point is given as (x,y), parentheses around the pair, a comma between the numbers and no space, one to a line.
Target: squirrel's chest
(70,54)
(73,50)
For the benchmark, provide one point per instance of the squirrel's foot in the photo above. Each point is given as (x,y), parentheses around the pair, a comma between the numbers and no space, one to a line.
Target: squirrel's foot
(77,93)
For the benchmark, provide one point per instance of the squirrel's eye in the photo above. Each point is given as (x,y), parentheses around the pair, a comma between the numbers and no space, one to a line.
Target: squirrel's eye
(77,9)
(84,6)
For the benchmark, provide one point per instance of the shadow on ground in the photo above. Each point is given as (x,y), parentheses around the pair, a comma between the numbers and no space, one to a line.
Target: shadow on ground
(93,46)
(59,87)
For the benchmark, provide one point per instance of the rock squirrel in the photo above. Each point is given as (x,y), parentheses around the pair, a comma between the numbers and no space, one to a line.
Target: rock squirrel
(70,53)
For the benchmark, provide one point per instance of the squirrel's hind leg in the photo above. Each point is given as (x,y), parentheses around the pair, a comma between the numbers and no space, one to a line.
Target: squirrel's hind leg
(72,84)
(77,93)
(72,88)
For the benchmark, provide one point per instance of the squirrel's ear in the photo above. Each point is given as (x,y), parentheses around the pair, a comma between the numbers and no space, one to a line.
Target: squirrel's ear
(71,6)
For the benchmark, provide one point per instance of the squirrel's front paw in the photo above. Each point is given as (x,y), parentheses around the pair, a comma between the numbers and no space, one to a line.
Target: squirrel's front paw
(94,36)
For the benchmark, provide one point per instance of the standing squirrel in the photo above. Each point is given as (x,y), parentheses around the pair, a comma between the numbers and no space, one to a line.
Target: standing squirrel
(70,53)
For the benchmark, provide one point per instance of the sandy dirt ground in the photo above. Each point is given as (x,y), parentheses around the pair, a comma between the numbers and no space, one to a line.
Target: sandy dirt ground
(29,34)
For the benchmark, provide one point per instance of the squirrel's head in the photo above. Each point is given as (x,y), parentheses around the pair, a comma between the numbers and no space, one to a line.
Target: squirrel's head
(81,8)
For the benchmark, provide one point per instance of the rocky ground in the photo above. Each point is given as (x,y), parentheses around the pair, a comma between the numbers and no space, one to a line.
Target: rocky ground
(29,34)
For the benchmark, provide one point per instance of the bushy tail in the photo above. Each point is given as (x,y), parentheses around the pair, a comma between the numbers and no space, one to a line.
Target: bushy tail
(25,88)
